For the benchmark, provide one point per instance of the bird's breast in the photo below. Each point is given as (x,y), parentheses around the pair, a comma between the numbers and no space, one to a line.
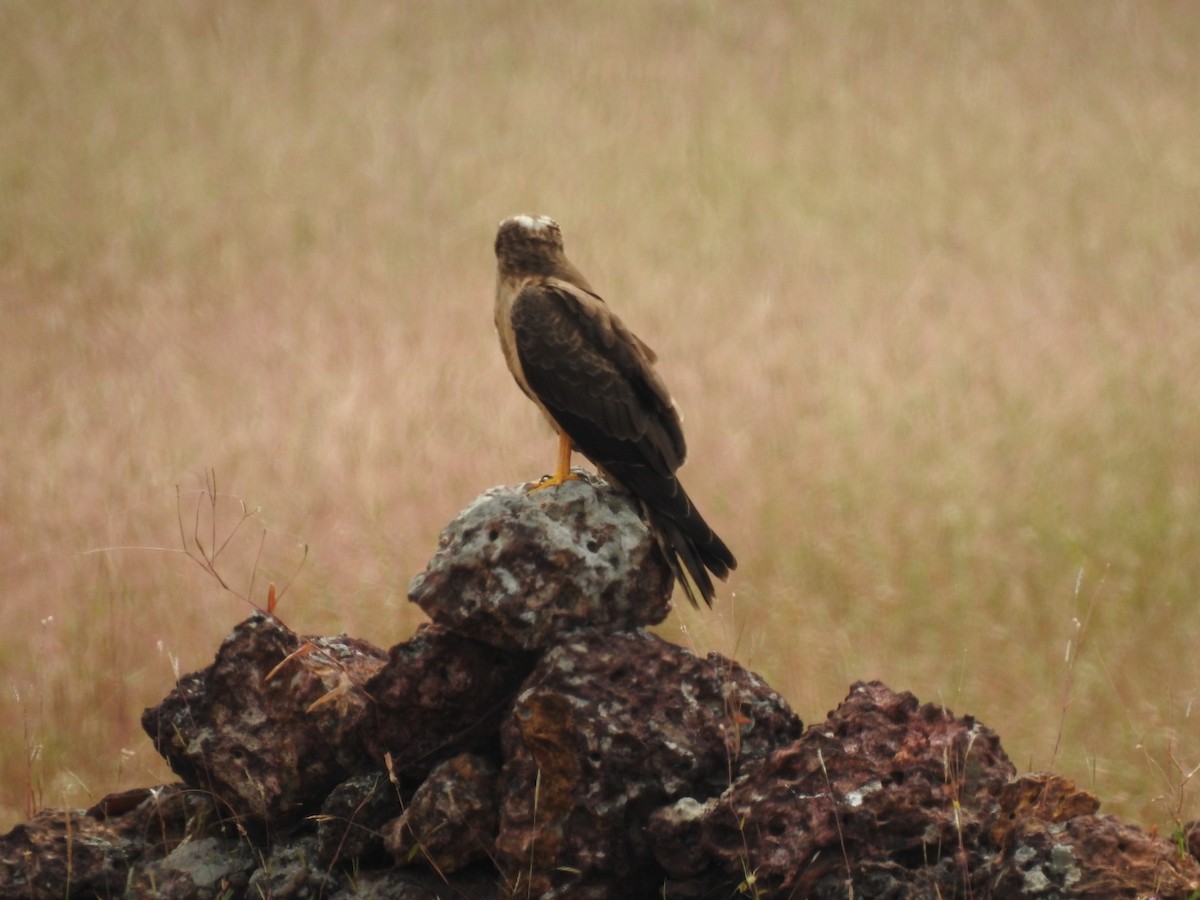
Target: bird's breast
(506,294)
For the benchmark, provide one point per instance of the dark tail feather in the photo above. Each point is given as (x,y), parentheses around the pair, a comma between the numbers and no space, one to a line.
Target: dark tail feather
(694,553)
(692,548)
(681,555)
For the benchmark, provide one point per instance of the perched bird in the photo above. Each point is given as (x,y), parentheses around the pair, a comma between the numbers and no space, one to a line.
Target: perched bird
(595,381)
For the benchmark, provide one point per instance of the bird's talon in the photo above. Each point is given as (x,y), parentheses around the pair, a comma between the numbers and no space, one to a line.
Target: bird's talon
(548,481)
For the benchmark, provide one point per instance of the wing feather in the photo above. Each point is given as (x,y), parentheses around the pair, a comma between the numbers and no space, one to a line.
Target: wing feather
(596,382)
(577,356)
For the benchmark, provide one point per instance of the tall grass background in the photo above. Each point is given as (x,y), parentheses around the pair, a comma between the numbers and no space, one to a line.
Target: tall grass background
(925,280)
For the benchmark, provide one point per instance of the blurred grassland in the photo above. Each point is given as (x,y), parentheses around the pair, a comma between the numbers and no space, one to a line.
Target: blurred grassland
(924,279)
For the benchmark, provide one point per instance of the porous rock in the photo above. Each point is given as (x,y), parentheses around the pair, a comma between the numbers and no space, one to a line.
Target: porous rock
(440,694)
(883,779)
(1052,843)
(69,852)
(211,866)
(608,728)
(888,798)
(620,766)
(60,850)
(348,827)
(1095,857)
(260,747)
(518,566)
(450,822)
(293,870)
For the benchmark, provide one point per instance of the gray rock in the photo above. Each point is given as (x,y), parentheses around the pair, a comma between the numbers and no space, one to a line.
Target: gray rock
(203,869)
(293,871)
(518,567)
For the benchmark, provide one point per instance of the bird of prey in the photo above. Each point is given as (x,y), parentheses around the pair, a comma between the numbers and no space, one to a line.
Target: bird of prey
(596,383)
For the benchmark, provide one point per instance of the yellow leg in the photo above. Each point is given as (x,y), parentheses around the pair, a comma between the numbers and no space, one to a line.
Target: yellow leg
(563,471)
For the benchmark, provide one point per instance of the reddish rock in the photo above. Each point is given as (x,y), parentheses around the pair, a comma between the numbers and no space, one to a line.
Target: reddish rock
(882,780)
(349,824)
(608,728)
(450,822)
(608,763)
(1043,796)
(440,694)
(61,850)
(1093,857)
(517,568)
(256,745)
(887,798)
(60,853)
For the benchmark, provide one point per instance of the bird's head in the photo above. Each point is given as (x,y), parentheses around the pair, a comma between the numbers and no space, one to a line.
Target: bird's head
(529,245)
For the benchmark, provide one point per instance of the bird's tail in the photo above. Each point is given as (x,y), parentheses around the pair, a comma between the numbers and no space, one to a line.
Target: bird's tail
(693,549)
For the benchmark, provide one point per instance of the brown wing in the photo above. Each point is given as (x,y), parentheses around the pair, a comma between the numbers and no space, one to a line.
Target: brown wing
(579,358)
(596,380)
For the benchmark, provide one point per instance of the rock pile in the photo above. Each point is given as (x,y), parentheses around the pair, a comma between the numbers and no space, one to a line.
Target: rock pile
(535,740)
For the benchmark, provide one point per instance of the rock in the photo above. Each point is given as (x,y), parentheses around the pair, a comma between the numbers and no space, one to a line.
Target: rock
(553,748)
(1091,856)
(451,819)
(255,744)
(1043,796)
(62,851)
(293,871)
(882,780)
(608,728)
(476,883)
(516,568)
(352,816)
(888,798)
(440,694)
(632,768)
(164,818)
(205,867)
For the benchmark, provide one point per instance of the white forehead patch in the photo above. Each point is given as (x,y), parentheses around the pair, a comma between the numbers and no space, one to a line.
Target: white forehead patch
(532,223)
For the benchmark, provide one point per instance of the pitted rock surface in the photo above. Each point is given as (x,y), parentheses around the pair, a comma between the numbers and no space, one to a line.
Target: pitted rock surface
(440,694)
(61,847)
(254,743)
(608,728)
(885,799)
(883,778)
(450,822)
(888,798)
(351,817)
(517,567)
(551,748)
(1090,856)
(69,852)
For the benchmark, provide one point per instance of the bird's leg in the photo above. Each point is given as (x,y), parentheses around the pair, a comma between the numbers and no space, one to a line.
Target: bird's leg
(563,471)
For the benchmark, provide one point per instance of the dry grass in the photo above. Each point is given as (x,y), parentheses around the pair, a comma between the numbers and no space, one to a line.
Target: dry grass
(926,284)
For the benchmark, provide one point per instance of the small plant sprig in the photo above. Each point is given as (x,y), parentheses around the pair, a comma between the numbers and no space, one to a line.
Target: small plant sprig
(205,549)
(205,546)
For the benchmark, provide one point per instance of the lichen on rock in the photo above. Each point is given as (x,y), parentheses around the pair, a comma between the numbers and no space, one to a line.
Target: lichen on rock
(536,741)
(519,566)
